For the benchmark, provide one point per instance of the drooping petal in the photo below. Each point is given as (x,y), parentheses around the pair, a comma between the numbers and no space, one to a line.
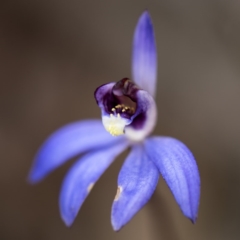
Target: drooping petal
(67,142)
(144,119)
(179,169)
(82,176)
(137,181)
(144,57)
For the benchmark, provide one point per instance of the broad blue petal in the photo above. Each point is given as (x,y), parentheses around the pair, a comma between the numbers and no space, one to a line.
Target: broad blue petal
(82,176)
(144,58)
(66,143)
(178,167)
(137,181)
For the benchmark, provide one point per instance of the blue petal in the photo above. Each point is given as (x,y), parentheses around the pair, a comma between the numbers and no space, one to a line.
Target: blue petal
(81,178)
(144,58)
(137,181)
(179,169)
(66,143)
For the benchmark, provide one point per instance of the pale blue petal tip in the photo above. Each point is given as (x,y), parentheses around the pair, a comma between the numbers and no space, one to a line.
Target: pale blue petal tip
(116,225)
(34,176)
(146,16)
(68,220)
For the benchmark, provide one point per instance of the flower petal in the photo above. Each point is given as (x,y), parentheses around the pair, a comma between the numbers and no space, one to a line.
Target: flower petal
(81,178)
(104,97)
(144,58)
(144,118)
(179,169)
(66,143)
(137,181)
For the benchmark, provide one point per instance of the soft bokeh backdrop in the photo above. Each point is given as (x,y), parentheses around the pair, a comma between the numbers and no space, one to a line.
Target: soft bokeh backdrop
(54,53)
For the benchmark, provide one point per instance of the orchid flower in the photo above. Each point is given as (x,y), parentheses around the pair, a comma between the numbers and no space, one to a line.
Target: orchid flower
(129,115)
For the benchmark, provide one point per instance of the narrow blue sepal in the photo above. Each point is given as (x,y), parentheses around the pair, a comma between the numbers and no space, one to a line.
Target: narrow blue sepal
(81,178)
(144,56)
(67,142)
(179,169)
(137,181)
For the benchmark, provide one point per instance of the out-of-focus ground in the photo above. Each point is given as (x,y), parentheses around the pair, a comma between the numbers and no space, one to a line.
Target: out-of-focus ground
(53,54)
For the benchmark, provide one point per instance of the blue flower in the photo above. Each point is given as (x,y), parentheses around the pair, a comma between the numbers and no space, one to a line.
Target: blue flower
(129,114)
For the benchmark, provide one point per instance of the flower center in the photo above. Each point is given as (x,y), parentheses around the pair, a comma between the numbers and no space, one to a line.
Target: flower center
(115,123)
(123,108)
(126,109)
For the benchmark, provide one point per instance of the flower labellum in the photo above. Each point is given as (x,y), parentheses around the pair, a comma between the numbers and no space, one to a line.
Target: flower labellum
(126,109)
(129,115)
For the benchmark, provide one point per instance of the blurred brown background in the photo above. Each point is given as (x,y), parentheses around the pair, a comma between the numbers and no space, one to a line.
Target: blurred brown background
(53,54)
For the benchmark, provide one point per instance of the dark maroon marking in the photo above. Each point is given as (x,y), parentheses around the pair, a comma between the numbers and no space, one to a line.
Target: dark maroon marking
(123,92)
(127,88)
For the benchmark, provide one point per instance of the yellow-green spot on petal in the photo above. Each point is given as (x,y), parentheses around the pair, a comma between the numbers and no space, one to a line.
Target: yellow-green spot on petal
(119,190)
(90,186)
